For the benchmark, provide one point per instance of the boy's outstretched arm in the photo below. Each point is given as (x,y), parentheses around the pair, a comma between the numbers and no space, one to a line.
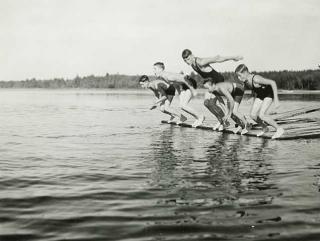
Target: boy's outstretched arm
(217,59)
(260,80)
(175,77)
(163,98)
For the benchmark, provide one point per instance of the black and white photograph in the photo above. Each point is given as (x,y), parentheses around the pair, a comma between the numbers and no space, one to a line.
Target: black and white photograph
(159,120)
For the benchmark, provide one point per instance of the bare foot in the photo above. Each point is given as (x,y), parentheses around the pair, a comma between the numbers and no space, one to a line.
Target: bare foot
(278,133)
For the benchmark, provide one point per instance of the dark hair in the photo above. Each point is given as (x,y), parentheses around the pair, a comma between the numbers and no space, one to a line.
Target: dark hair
(160,64)
(241,68)
(143,78)
(186,53)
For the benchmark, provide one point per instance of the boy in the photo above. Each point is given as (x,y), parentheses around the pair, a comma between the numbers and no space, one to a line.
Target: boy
(165,93)
(234,93)
(203,68)
(185,87)
(266,92)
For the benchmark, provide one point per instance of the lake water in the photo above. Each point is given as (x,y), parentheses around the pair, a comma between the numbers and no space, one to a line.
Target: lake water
(98,165)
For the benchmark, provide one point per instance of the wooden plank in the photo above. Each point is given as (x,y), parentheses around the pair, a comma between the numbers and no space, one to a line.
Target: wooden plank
(303,130)
(296,112)
(298,132)
(290,121)
(203,127)
(300,120)
(301,136)
(288,135)
(289,112)
(307,126)
(303,124)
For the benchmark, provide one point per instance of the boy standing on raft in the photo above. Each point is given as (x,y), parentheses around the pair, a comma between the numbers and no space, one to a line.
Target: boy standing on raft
(203,68)
(266,92)
(234,93)
(164,93)
(185,87)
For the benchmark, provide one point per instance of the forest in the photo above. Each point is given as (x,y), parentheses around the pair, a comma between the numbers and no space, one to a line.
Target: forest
(289,80)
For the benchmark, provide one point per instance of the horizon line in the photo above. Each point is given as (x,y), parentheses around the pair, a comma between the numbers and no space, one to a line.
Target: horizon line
(115,74)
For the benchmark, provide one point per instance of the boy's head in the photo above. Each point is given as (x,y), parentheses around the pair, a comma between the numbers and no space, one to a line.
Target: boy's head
(144,81)
(242,72)
(188,56)
(158,67)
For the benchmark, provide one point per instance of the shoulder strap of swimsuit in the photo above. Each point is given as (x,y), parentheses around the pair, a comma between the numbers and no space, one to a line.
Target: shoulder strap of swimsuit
(196,65)
(252,81)
(195,61)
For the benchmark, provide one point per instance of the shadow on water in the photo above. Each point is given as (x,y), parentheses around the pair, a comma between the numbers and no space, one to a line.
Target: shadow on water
(222,194)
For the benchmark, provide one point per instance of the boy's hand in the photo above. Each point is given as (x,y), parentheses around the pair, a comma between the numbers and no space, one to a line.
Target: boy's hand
(237,58)
(153,107)
(276,104)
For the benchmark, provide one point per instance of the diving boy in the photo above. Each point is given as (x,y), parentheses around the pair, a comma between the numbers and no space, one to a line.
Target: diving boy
(266,92)
(185,87)
(203,67)
(234,93)
(164,93)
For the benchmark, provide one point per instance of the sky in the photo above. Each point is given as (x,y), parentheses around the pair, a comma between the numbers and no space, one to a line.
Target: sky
(64,38)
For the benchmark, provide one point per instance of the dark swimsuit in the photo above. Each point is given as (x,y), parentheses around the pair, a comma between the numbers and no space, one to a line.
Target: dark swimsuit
(190,81)
(237,92)
(212,76)
(170,90)
(167,89)
(263,91)
(184,86)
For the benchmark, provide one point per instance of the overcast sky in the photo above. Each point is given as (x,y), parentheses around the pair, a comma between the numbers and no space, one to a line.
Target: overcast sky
(65,38)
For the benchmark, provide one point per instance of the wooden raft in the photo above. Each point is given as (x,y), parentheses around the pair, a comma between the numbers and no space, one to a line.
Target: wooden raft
(295,128)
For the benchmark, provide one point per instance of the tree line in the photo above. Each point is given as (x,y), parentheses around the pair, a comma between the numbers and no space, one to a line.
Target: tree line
(291,80)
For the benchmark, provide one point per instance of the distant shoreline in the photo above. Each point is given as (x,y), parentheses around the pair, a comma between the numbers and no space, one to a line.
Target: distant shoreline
(142,91)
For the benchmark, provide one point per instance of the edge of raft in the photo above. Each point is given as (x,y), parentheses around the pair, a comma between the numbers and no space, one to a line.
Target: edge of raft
(286,136)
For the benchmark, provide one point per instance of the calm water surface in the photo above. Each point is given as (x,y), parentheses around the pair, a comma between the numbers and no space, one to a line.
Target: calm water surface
(98,165)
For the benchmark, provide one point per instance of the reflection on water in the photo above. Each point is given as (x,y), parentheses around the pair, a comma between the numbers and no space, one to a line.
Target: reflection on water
(77,166)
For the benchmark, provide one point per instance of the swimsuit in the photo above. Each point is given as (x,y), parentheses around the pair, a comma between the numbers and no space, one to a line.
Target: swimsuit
(263,91)
(184,86)
(191,81)
(212,76)
(237,92)
(170,90)
(166,89)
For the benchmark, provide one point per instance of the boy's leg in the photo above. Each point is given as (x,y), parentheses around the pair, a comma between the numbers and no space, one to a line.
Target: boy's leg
(164,110)
(185,97)
(255,110)
(172,111)
(266,103)
(266,118)
(239,118)
(255,116)
(210,103)
(220,103)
